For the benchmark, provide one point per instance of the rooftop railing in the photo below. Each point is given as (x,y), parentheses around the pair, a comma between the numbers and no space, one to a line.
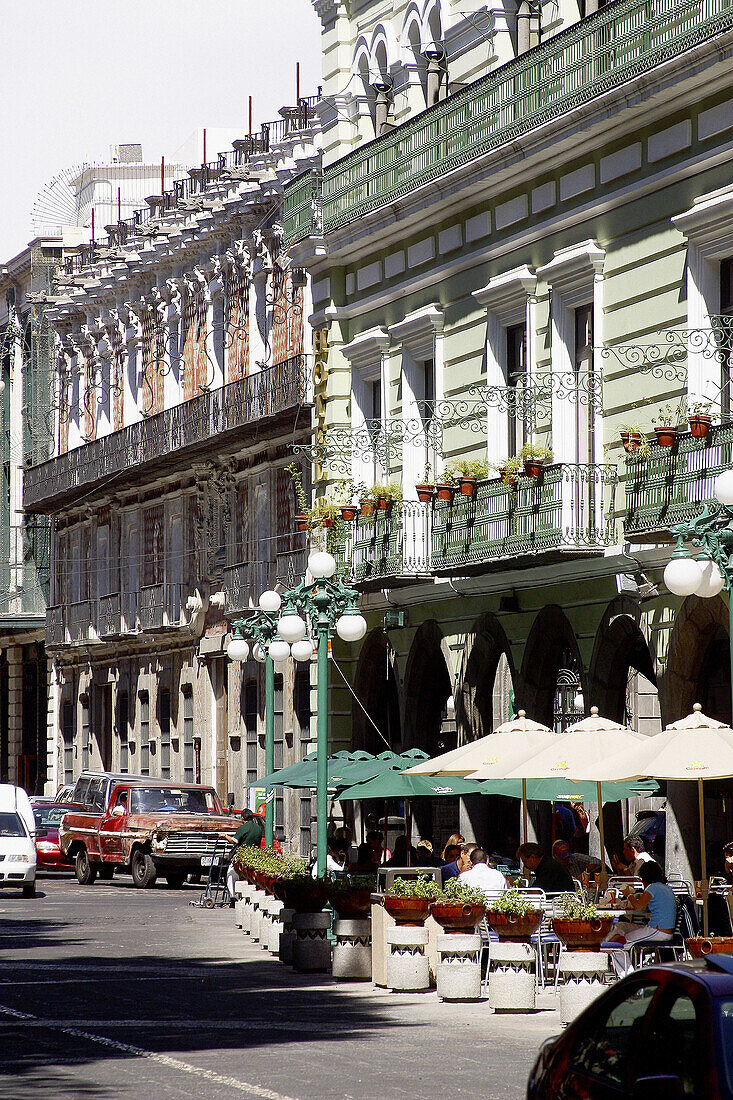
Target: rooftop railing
(603,51)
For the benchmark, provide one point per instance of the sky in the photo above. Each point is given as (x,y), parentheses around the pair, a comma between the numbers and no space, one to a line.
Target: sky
(80,75)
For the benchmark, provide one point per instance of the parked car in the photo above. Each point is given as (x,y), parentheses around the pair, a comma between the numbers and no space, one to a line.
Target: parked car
(48,817)
(142,826)
(662,1033)
(17,844)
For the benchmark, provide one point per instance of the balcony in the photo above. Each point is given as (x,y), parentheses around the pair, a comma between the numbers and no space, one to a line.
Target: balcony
(603,51)
(160,606)
(156,607)
(24,572)
(568,511)
(177,433)
(109,615)
(79,621)
(674,483)
(239,588)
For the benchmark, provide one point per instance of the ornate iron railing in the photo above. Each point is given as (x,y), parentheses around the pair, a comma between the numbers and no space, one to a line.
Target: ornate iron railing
(290,565)
(392,543)
(159,606)
(55,626)
(109,618)
(240,404)
(665,353)
(238,585)
(79,621)
(603,51)
(673,484)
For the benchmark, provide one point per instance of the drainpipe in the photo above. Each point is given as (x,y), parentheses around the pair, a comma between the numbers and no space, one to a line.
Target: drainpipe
(435,54)
(524,15)
(383,103)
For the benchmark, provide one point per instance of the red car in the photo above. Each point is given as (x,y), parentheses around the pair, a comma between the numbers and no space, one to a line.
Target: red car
(48,815)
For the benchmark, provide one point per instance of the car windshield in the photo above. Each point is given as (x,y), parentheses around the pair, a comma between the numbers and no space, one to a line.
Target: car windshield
(49,815)
(171,800)
(12,825)
(726,1034)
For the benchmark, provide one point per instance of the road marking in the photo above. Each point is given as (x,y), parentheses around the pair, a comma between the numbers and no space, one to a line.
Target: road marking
(140,1052)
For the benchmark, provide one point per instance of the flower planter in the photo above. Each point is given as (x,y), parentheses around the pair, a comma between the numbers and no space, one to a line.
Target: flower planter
(699,426)
(445,490)
(327,521)
(425,493)
(509,479)
(383,502)
(407,910)
(455,918)
(467,486)
(533,467)
(515,929)
(301,522)
(305,895)
(666,435)
(582,935)
(367,508)
(631,441)
(265,880)
(351,904)
(348,514)
(699,946)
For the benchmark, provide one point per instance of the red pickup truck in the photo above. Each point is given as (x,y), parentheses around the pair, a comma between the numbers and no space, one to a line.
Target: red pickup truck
(143,826)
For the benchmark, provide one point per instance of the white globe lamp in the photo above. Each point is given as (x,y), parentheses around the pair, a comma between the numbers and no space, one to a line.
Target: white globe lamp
(279,650)
(712,581)
(237,650)
(682,576)
(351,627)
(723,488)
(302,650)
(321,565)
(291,628)
(259,654)
(270,601)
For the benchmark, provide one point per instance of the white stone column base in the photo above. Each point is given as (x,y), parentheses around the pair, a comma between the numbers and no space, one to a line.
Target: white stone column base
(459,968)
(581,974)
(352,952)
(311,947)
(408,968)
(512,977)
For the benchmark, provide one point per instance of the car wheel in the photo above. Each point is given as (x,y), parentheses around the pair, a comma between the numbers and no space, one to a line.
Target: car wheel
(29,889)
(107,872)
(143,869)
(85,873)
(194,879)
(175,879)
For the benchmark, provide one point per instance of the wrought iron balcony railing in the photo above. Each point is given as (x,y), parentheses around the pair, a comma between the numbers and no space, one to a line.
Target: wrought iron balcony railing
(245,403)
(603,51)
(109,616)
(673,484)
(239,588)
(79,621)
(160,606)
(154,607)
(55,626)
(569,510)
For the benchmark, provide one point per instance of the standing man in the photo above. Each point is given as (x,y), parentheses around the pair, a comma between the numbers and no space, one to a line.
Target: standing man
(250,834)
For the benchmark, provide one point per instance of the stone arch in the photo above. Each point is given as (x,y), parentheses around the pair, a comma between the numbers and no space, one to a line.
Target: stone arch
(376,685)
(620,646)
(698,661)
(550,637)
(428,687)
(485,646)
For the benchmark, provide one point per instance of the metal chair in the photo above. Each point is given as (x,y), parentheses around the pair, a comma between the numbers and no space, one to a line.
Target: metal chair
(643,953)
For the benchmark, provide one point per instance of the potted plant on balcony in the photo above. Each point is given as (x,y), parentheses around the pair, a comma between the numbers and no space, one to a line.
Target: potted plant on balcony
(344,493)
(446,485)
(633,439)
(514,917)
(303,515)
(386,496)
(426,488)
(409,899)
(699,419)
(508,471)
(459,907)
(534,459)
(366,502)
(667,424)
(468,473)
(580,927)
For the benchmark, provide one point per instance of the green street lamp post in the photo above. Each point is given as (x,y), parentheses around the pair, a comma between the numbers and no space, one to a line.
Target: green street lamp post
(309,614)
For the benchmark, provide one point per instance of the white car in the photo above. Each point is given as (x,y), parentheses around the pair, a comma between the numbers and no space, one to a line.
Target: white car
(17,840)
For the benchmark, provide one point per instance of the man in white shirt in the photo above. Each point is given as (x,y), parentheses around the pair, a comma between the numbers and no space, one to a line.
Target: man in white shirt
(482,876)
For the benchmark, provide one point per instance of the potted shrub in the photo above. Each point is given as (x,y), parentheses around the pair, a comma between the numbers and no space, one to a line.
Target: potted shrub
(290,867)
(303,516)
(633,439)
(351,895)
(386,496)
(459,907)
(699,419)
(305,894)
(580,927)
(514,916)
(426,488)
(468,473)
(534,459)
(666,424)
(409,899)
(324,513)
(366,505)
(446,486)
(509,471)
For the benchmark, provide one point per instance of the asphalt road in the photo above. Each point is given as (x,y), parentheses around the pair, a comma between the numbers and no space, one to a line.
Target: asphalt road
(107,992)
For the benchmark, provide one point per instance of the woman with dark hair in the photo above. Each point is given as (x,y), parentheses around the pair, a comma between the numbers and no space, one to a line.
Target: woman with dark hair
(661,902)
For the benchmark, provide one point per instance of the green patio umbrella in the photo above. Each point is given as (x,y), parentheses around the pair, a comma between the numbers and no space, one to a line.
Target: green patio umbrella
(303,774)
(395,784)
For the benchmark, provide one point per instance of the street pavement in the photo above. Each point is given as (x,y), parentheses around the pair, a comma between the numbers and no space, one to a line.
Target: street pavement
(108,991)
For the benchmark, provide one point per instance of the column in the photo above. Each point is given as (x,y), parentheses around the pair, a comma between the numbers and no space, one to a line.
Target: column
(15,711)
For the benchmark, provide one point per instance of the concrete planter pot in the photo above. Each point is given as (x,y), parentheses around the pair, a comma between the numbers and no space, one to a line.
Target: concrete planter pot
(455,918)
(407,911)
(515,929)
(582,935)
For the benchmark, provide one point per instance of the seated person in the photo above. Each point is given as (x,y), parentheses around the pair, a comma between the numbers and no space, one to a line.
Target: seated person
(461,863)
(633,856)
(480,875)
(402,854)
(424,856)
(332,860)
(547,873)
(661,902)
(364,863)
(576,862)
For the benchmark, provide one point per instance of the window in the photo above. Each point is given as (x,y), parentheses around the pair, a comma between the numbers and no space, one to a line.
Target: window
(123,723)
(301,723)
(144,733)
(188,754)
(67,733)
(726,313)
(164,722)
(250,708)
(583,366)
(608,1047)
(375,404)
(279,754)
(516,378)
(85,732)
(677,1042)
(96,795)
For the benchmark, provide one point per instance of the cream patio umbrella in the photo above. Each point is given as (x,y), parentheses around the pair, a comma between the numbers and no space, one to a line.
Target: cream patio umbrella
(578,753)
(691,750)
(495,755)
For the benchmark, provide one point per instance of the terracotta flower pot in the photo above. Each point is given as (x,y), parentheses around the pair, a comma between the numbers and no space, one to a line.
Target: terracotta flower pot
(467,485)
(383,502)
(455,917)
(533,467)
(425,492)
(348,513)
(515,929)
(301,522)
(351,904)
(306,895)
(509,479)
(631,441)
(407,910)
(327,521)
(699,946)
(699,426)
(367,508)
(582,935)
(666,435)
(445,490)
